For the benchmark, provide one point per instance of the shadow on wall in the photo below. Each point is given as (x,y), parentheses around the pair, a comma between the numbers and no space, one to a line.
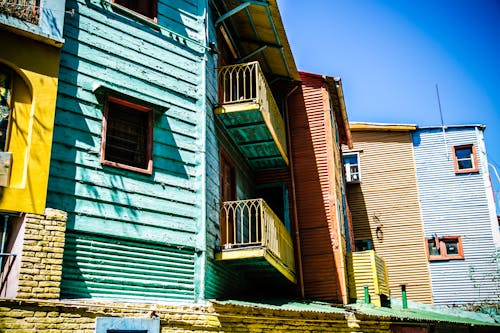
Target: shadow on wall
(94,195)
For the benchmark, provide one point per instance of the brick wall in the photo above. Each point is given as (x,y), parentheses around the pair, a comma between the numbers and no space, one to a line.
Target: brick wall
(40,267)
(22,316)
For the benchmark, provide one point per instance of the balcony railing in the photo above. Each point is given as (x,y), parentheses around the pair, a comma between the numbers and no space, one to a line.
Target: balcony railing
(243,87)
(26,10)
(251,223)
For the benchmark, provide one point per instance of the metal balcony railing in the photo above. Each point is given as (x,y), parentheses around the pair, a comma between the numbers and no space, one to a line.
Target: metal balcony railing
(252,222)
(246,84)
(26,10)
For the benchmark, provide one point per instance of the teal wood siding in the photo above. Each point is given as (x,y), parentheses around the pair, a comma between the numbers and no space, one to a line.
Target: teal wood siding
(158,218)
(458,205)
(106,267)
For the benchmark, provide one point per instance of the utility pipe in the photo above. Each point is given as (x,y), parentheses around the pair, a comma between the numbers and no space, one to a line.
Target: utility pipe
(294,197)
(403,296)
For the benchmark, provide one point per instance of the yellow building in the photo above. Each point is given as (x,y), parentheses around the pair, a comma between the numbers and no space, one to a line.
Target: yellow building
(29,65)
(384,203)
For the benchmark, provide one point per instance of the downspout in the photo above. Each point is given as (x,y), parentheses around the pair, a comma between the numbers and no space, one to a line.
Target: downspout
(294,198)
(340,94)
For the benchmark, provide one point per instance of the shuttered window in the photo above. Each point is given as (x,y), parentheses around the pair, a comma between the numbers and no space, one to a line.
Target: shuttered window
(145,8)
(127,135)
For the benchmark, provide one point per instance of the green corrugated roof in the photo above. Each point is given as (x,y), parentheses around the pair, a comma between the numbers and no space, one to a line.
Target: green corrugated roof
(416,312)
(422,312)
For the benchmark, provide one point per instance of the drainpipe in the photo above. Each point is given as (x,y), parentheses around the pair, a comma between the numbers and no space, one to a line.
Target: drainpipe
(340,93)
(367,295)
(295,215)
(403,296)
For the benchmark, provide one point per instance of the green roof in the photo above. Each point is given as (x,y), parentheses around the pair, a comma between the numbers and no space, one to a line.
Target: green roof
(416,312)
(422,312)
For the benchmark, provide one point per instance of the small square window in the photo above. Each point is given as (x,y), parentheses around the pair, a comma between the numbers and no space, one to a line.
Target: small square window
(127,135)
(363,245)
(465,159)
(146,8)
(445,248)
(352,168)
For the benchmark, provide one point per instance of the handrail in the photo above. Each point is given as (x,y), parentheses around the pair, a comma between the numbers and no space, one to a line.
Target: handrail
(245,83)
(252,222)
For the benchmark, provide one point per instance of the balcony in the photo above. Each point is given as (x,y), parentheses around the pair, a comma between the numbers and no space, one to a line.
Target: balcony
(366,268)
(251,116)
(254,237)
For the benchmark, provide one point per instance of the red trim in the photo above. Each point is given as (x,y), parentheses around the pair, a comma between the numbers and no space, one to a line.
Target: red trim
(474,159)
(149,147)
(442,248)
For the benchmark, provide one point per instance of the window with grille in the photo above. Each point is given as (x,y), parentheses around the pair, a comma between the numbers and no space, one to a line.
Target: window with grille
(145,8)
(127,135)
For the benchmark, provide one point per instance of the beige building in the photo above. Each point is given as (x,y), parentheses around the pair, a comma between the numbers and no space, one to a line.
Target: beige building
(384,203)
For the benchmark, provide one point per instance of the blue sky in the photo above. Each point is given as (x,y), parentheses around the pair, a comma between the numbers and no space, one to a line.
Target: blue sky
(391,54)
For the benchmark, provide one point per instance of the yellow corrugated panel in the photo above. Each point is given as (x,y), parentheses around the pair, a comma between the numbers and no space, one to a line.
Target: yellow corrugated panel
(385,208)
(366,268)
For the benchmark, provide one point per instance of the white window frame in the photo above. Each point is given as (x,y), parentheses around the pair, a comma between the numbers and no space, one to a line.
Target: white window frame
(347,166)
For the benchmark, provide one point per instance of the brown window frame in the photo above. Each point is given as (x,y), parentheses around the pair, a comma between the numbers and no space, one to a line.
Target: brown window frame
(149,135)
(442,248)
(475,167)
(153,6)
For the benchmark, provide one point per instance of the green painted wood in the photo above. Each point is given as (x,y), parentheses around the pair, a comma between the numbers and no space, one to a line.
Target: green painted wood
(130,235)
(111,267)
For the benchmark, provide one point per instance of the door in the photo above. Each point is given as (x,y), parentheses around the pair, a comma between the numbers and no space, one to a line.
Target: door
(227,193)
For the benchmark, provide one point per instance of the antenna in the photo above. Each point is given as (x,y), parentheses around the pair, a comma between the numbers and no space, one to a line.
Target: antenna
(442,122)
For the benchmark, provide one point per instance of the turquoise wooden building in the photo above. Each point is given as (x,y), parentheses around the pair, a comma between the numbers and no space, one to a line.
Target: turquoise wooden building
(458,212)
(170,150)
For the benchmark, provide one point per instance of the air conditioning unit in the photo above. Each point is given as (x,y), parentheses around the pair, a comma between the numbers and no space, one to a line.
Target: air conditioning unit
(5,167)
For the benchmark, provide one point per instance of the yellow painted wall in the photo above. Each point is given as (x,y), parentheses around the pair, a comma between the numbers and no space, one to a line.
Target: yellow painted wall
(36,67)
(387,198)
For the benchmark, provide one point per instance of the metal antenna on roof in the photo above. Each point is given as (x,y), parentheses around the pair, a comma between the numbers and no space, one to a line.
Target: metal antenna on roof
(442,122)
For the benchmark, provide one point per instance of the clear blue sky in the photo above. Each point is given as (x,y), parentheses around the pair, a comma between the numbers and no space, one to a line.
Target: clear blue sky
(391,54)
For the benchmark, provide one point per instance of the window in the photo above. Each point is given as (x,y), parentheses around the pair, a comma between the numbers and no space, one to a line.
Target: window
(352,169)
(5,105)
(127,135)
(127,325)
(363,245)
(465,159)
(445,248)
(145,8)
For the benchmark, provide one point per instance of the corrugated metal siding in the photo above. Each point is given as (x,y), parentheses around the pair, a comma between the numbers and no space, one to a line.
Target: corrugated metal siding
(313,163)
(388,198)
(367,269)
(457,205)
(116,51)
(110,267)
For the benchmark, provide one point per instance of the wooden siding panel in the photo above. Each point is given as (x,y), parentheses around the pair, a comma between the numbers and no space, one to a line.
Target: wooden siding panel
(387,198)
(106,51)
(457,205)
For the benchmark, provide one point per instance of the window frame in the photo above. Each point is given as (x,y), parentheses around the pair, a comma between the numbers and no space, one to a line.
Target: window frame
(149,135)
(347,170)
(125,9)
(442,248)
(475,165)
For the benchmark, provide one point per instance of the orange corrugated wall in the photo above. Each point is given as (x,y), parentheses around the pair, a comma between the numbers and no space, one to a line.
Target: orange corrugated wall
(314,173)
